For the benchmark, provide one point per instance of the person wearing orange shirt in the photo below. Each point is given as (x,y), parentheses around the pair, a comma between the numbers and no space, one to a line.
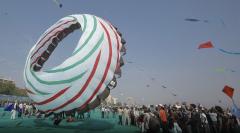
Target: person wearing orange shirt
(163,117)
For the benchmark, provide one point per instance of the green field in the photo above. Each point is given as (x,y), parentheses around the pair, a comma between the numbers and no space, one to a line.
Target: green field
(93,125)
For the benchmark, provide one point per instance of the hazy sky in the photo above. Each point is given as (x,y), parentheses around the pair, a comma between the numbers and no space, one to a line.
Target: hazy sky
(161,45)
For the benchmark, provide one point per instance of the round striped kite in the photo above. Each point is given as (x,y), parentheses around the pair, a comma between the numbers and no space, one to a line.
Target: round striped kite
(85,78)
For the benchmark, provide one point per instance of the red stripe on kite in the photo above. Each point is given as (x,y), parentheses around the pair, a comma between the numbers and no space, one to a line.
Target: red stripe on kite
(53,97)
(117,68)
(228,91)
(206,45)
(106,69)
(83,88)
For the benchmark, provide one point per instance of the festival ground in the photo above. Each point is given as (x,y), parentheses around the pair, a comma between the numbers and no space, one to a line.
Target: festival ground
(33,125)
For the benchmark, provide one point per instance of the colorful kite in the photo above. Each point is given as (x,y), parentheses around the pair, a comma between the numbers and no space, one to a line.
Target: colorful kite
(84,79)
(209,44)
(228,91)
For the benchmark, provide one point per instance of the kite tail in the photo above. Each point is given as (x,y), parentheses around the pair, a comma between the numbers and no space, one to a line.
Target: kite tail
(228,52)
(235,110)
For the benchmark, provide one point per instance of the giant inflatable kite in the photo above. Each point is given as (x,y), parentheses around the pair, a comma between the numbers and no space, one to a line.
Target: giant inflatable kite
(84,79)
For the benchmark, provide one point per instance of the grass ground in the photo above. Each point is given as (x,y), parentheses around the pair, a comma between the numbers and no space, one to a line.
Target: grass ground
(93,125)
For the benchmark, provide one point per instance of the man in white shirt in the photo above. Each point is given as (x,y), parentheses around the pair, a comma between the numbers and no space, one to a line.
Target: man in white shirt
(126,118)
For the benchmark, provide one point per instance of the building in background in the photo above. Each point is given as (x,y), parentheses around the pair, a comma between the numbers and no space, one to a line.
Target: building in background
(110,100)
(4,80)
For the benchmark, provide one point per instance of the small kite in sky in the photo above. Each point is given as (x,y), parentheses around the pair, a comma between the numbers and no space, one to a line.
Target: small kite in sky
(228,91)
(195,20)
(230,70)
(209,44)
(174,94)
(164,86)
(58,3)
(221,70)
(192,19)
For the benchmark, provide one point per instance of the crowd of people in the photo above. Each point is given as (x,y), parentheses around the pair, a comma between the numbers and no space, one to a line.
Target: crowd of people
(177,118)
(19,110)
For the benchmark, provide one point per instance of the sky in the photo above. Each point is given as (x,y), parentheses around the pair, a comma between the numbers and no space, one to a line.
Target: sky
(162,48)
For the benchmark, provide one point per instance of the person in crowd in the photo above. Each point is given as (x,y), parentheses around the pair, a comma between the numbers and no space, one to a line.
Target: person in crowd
(163,118)
(213,116)
(88,114)
(103,111)
(14,110)
(204,128)
(126,118)
(132,116)
(20,110)
(120,114)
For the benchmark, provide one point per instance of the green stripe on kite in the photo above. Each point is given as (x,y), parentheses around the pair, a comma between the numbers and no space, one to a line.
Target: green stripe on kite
(58,81)
(85,23)
(34,88)
(89,37)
